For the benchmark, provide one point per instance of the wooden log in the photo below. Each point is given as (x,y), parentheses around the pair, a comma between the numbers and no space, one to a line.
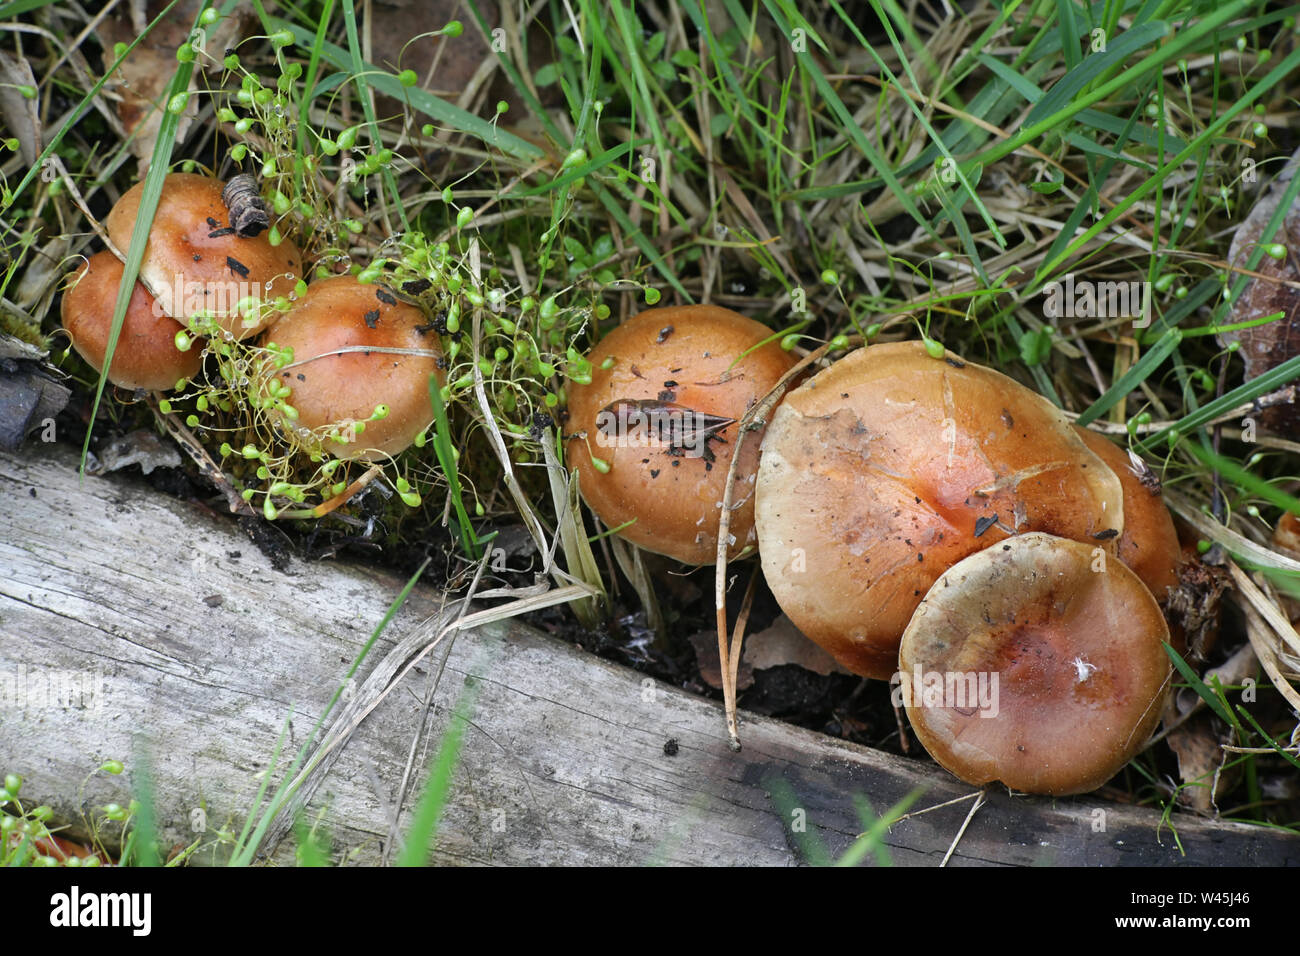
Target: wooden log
(128,619)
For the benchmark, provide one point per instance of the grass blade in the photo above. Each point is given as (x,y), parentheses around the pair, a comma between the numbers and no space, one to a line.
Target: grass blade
(1203,691)
(153,183)
(424,824)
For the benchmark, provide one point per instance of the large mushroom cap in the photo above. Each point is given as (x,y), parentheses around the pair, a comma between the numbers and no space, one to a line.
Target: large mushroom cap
(336,379)
(1149,544)
(195,260)
(885,469)
(662,418)
(1066,645)
(146,355)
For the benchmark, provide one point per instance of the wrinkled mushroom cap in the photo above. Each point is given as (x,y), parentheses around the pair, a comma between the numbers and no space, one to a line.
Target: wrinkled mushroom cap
(146,355)
(1067,643)
(1149,544)
(882,471)
(334,389)
(194,260)
(673,366)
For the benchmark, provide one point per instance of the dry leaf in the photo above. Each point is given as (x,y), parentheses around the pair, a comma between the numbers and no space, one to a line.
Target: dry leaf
(783,643)
(140,447)
(397,22)
(1267,346)
(1286,541)
(1200,758)
(45,267)
(19,115)
(1195,607)
(142,82)
(706,657)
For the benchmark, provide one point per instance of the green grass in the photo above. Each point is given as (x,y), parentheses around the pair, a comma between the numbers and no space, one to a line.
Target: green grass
(870,842)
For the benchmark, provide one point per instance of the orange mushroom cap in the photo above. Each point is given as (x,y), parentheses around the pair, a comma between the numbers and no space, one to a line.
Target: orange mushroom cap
(331,387)
(146,355)
(1149,544)
(885,469)
(1036,662)
(196,261)
(662,417)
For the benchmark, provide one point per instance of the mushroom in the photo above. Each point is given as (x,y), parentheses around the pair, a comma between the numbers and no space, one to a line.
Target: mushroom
(196,262)
(1035,663)
(146,355)
(652,435)
(358,380)
(1149,544)
(885,469)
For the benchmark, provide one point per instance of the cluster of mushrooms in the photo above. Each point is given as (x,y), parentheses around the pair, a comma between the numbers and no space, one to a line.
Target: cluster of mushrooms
(352,362)
(920,517)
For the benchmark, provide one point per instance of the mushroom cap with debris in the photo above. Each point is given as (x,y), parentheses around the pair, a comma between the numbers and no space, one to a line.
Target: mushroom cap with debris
(195,260)
(662,421)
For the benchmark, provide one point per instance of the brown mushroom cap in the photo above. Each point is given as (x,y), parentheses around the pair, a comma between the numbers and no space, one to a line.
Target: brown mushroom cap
(1067,645)
(673,366)
(146,355)
(194,260)
(884,470)
(335,389)
(1149,544)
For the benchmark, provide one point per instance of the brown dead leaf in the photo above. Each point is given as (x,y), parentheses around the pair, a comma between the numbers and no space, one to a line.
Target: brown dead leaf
(783,643)
(19,115)
(142,81)
(1267,346)
(706,657)
(448,67)
(398,43)
(1201,761)
(1195,607)
(778,645)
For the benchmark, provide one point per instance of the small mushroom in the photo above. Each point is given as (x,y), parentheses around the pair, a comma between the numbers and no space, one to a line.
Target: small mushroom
(890,466)
(1149,544)
(146,355)
(360,368)
(195,261)
(1035,663)
(652,435)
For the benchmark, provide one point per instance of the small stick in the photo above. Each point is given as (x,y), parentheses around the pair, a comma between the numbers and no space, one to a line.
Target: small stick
(325,507)
(209,468)
(964,824)
(753,420)
(738,634)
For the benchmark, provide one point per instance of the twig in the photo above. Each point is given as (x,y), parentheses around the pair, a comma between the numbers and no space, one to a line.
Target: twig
(754,419)
(940,806)
(209,468)
(964,824)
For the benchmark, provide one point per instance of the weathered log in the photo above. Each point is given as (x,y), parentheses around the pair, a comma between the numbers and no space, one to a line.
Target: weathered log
(128,617)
